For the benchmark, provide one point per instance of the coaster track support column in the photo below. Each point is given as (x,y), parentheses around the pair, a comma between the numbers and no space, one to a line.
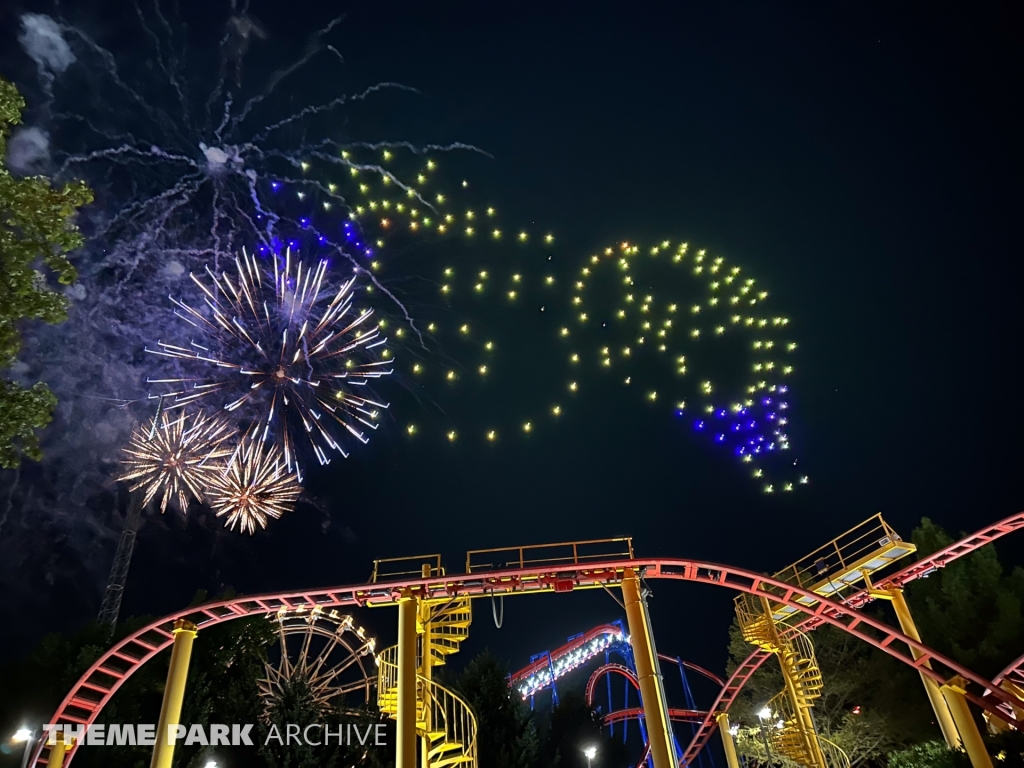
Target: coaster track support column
(652,689)
(406,715)
(909,628)
(174,693)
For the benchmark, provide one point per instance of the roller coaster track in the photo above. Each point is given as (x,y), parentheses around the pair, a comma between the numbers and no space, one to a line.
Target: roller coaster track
(917,570)
(102,680)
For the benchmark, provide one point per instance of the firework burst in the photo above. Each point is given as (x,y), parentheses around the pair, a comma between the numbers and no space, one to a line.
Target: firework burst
(284,350)
(175,456)
(253,488)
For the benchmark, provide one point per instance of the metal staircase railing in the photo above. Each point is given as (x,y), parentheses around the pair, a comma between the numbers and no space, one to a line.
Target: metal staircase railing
(443,718)
(795,737)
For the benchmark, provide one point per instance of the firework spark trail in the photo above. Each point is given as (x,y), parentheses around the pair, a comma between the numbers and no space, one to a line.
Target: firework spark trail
(176,457)
(333,104)
(288,347)
(254,487)
(281,74)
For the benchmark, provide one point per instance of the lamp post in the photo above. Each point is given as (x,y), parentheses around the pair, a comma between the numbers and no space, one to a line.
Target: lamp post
(590,752)
(764,715)
(24,735)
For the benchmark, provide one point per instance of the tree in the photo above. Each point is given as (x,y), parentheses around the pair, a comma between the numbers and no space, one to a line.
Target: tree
(506,735)
(930,754)
(572,726)
(36,233)
(970,610)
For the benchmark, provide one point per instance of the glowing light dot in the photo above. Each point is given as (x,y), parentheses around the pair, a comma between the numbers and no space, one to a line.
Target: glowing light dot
(496,234)
(450,376)
(572,386)
(411,429)
(469,231)
(557,410)
(489,345)
(652,396)
(451,437)
(511,294)
(492,435)
(527,427)
(564,332)
(417,368)
(549,280)
(549,238)
(483,370)
(575,358)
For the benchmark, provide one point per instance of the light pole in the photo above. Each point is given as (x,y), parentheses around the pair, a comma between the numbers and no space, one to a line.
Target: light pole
(24,735)
(590,752)
(764,716)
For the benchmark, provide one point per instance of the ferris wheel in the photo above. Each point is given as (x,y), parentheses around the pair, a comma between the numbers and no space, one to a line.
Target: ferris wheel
(321,657)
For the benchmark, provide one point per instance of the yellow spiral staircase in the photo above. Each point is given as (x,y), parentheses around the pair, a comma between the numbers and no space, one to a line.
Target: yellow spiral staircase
(791,731)
(444,721)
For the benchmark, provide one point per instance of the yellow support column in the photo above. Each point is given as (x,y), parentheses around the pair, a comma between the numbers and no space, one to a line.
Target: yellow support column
(174,693)
(909,628)
(953,692)
(648,673)
(423,628)
(57,751)
(406,715)
(931,688)
(731,759)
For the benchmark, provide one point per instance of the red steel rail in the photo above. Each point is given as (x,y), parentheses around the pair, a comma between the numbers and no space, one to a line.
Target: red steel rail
(916,570)
(634,713)
(95,688)
(1014,672)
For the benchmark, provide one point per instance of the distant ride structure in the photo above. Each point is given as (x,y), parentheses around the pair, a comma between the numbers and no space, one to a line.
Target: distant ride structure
(610,640)
(436,728)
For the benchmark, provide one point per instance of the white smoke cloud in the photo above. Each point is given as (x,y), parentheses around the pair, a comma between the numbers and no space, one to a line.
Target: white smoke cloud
(28,152)
(43,40)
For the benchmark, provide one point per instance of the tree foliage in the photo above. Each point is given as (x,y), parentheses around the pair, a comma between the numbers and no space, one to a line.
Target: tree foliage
(37,231)
(971,610)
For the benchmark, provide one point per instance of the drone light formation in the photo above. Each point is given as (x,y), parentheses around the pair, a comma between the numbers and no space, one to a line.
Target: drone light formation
(253,487)
(283,350)
(175,457)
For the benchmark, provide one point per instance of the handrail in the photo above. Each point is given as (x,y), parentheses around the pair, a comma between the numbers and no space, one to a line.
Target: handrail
(433,560)
(447,711)
(521,561)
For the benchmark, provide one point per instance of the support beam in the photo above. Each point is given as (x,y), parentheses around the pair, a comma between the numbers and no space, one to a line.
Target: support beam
(939,706)
(406,715)
(57,751)
(426,665)
(731,759)
(174,693)
(652,690)
(970,736)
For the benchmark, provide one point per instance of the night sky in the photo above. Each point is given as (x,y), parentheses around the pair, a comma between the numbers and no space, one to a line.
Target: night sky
(863,161)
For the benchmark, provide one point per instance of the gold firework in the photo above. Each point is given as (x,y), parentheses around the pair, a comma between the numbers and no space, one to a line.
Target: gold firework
(176,456)
(253,487)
